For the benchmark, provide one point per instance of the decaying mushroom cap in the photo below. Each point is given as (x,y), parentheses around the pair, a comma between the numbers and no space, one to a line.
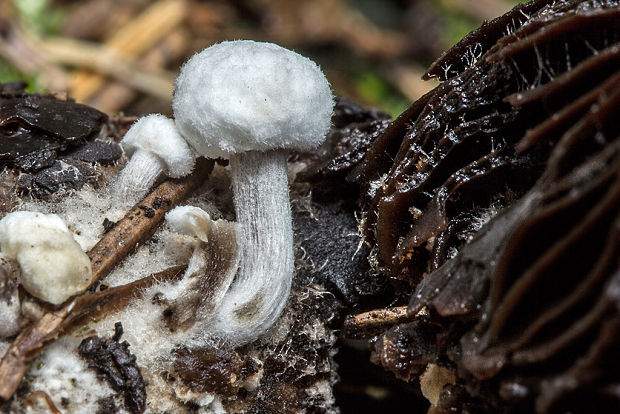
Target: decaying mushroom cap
(53,266)
(242,95)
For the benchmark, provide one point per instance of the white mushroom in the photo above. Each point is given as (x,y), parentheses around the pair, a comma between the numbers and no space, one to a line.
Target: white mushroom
(250,102)
(155,147)
(53,266)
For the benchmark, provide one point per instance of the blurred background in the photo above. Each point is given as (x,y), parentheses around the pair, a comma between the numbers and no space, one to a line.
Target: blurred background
(122,56)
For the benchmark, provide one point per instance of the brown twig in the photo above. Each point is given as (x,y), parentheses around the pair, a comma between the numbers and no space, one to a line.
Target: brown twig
(29,401)
(368,324)
(142,220)
(137,225)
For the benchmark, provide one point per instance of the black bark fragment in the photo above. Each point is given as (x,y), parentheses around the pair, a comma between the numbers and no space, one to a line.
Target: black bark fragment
(117,366)
(496,197)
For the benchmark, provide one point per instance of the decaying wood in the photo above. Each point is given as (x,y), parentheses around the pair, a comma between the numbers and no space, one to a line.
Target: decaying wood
(137,226)
(371,323)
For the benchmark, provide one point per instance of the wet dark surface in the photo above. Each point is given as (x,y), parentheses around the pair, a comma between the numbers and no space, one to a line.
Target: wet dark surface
(68,174)
(491,205)
(495,200)
(53,141)
(213,370)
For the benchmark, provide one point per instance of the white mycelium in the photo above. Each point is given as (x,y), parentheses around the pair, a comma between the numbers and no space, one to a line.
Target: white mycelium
(9,299)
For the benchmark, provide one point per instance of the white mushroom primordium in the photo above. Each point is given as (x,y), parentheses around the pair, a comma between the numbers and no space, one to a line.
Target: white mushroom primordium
(250,102)
(155,147)
(53,266)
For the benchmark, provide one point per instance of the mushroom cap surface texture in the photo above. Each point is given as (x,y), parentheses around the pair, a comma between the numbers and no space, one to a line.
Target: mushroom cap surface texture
(242,95)
(159,136)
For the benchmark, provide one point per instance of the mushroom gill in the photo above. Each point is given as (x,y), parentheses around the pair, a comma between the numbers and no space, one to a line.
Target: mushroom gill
(499,206)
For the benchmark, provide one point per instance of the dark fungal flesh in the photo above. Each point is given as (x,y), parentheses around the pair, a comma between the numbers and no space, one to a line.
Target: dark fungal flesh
(496,199)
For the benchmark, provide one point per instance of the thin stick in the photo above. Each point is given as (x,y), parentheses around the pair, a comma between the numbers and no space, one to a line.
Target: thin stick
(135,38)
(107,61)
(137,225)
(97,305)
(368,324)
(142,220)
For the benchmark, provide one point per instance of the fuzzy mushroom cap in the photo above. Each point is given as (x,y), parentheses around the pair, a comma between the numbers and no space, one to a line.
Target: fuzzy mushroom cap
(53,266)
(159,136)
(243,95)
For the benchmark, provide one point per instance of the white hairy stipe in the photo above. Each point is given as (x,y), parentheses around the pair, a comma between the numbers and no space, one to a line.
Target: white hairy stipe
(53,266)
(243,95)
(138,176)
(265,242)
(155,147)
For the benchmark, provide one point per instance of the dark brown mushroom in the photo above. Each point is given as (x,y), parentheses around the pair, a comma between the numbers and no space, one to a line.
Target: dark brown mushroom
(499,204)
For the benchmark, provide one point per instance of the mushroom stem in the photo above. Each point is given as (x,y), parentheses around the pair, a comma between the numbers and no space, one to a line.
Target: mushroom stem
(138,176)
(265,245)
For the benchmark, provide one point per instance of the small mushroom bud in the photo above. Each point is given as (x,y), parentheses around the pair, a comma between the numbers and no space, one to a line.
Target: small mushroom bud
(251,102)
(53,266)
(155,147)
